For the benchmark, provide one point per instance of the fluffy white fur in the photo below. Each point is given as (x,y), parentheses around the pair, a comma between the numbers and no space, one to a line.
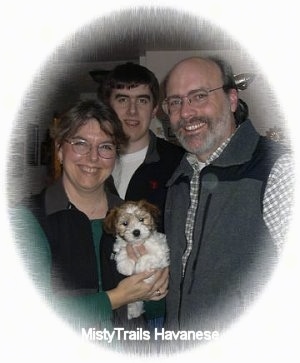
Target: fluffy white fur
(134,223)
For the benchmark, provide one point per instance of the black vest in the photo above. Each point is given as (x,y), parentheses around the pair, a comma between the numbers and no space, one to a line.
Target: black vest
(69,233)
(233,253)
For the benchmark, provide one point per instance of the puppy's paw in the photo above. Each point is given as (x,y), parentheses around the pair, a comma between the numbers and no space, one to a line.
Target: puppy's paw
(126,267)
(135,309)
(146,263)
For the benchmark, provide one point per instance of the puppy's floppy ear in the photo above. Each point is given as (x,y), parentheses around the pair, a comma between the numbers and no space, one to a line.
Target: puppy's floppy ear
(150,208)
(109,223)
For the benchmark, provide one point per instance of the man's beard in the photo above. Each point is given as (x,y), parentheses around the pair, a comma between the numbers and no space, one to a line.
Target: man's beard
(208,140)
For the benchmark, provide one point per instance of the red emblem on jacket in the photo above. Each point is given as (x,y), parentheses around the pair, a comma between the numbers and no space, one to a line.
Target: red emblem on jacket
(153,184)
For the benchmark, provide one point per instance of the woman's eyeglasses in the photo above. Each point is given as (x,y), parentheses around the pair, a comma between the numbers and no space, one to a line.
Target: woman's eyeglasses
(83,147)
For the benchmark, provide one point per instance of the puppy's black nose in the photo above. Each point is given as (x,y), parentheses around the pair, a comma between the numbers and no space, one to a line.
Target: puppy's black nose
(136,233)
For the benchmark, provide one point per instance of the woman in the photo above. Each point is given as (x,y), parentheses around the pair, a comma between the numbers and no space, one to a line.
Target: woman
(69,252)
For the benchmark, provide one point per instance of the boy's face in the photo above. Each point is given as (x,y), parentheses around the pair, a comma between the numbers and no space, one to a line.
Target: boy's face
(135,109)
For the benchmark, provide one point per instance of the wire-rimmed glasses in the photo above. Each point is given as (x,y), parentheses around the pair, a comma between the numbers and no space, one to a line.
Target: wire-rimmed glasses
(172,104)
(82,147)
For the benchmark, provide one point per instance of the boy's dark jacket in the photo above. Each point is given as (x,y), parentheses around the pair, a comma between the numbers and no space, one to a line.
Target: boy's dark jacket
(150,179)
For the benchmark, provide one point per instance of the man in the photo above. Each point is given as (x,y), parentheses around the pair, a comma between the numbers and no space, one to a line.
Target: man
(228,202)
(147,163)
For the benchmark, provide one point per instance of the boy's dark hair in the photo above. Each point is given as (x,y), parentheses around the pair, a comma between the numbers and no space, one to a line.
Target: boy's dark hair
(129,75)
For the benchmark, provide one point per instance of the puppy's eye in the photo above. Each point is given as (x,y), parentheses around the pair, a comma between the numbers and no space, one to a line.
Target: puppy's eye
(141,219)
(125,223)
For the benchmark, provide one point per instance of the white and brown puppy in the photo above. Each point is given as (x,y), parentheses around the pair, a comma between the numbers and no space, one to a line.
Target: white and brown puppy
(134,223)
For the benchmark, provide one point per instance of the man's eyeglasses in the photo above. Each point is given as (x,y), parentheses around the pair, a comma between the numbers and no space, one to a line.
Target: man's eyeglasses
(172,104)
(83,147)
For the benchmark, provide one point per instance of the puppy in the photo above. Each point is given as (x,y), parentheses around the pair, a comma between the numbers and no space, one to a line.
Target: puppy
(134,223)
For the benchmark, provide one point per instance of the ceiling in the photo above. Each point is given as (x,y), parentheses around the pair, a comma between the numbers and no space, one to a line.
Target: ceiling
(123,36)
(127,35)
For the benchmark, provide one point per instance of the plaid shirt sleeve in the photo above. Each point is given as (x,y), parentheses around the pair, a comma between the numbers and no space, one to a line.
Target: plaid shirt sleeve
(278,199)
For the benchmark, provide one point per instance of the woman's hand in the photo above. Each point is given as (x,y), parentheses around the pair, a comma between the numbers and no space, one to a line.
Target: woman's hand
(134,288)
(161,284)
